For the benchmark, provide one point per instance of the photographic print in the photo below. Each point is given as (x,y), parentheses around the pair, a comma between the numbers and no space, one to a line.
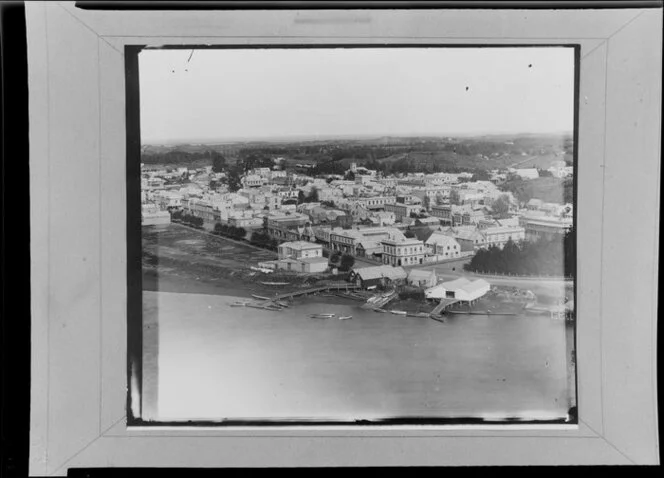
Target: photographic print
(357,235)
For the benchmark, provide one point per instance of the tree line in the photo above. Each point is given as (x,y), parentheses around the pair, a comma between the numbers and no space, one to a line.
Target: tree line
(263,239)
(552,257)
(180,157)
(233,232)
(187,219)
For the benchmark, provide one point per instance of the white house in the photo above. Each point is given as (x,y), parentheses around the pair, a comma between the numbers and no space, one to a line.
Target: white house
(461,289)
(300,250)
(422,278)
(442,244)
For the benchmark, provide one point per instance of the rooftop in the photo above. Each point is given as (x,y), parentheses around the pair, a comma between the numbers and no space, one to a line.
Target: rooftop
(420,274)
(390,272)
(300,245)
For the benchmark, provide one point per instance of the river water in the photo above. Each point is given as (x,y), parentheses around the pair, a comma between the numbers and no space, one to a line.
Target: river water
(205,360)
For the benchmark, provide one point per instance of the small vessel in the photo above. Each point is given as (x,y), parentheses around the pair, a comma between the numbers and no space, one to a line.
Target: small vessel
(379,310)
(345,317)
(260,297)
(322,316)
(399,312)
(239,304)
(274,283)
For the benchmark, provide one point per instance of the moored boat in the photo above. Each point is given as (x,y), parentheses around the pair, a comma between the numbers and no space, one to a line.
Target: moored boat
(399,312)
(345,317)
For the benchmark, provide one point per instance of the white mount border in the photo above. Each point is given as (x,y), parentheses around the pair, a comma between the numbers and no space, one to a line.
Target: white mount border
(78,248)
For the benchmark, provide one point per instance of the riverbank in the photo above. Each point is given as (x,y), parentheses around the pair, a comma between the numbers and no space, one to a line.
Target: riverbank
(184,260)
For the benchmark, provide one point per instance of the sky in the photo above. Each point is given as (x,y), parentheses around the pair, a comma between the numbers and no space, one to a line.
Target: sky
(253,94)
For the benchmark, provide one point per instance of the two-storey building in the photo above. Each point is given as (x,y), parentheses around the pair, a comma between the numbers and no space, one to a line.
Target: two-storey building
(403,252)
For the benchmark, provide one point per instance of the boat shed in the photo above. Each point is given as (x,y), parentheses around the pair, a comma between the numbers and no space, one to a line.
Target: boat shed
(367,277)
(461,289)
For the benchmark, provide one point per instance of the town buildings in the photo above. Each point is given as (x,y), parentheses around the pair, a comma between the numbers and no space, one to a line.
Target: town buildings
(365,217)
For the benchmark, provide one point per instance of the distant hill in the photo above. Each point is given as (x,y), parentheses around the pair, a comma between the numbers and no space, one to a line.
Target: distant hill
(423,153)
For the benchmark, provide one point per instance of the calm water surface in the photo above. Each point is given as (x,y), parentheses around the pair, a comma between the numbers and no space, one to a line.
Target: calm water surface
(207,360)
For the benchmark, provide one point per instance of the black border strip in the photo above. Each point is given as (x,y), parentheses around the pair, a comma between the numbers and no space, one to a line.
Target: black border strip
(16,311)
(134,244)
(575,196)
(368,5)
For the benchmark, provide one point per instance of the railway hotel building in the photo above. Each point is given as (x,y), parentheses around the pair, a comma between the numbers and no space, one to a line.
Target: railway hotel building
(403,252)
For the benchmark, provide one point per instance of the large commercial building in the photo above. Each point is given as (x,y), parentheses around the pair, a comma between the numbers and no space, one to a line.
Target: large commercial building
(403,210)
(499,235)
(545,227)
(403,252)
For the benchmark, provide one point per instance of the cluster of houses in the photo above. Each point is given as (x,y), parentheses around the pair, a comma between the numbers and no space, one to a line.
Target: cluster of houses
(397,222)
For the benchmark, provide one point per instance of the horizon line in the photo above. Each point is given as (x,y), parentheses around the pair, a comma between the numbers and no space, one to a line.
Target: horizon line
(311,138)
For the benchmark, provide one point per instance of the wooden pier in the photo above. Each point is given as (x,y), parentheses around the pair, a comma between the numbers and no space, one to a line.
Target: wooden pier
(330,287)
(444,304)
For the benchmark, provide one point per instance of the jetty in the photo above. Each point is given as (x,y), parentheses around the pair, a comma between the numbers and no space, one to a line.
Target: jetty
(380,300)
(344,286)
(276,302)
(443,305)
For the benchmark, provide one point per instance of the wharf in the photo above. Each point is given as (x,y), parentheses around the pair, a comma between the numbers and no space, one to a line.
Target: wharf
(444,304)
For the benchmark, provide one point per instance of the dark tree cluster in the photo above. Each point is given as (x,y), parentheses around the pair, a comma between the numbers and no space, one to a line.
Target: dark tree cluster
(182,157)
(187,219)
(226,230)
(233,179)
(263,239)
(413,293)
(254,160)
(552,257)
(307,198)
(347,262)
